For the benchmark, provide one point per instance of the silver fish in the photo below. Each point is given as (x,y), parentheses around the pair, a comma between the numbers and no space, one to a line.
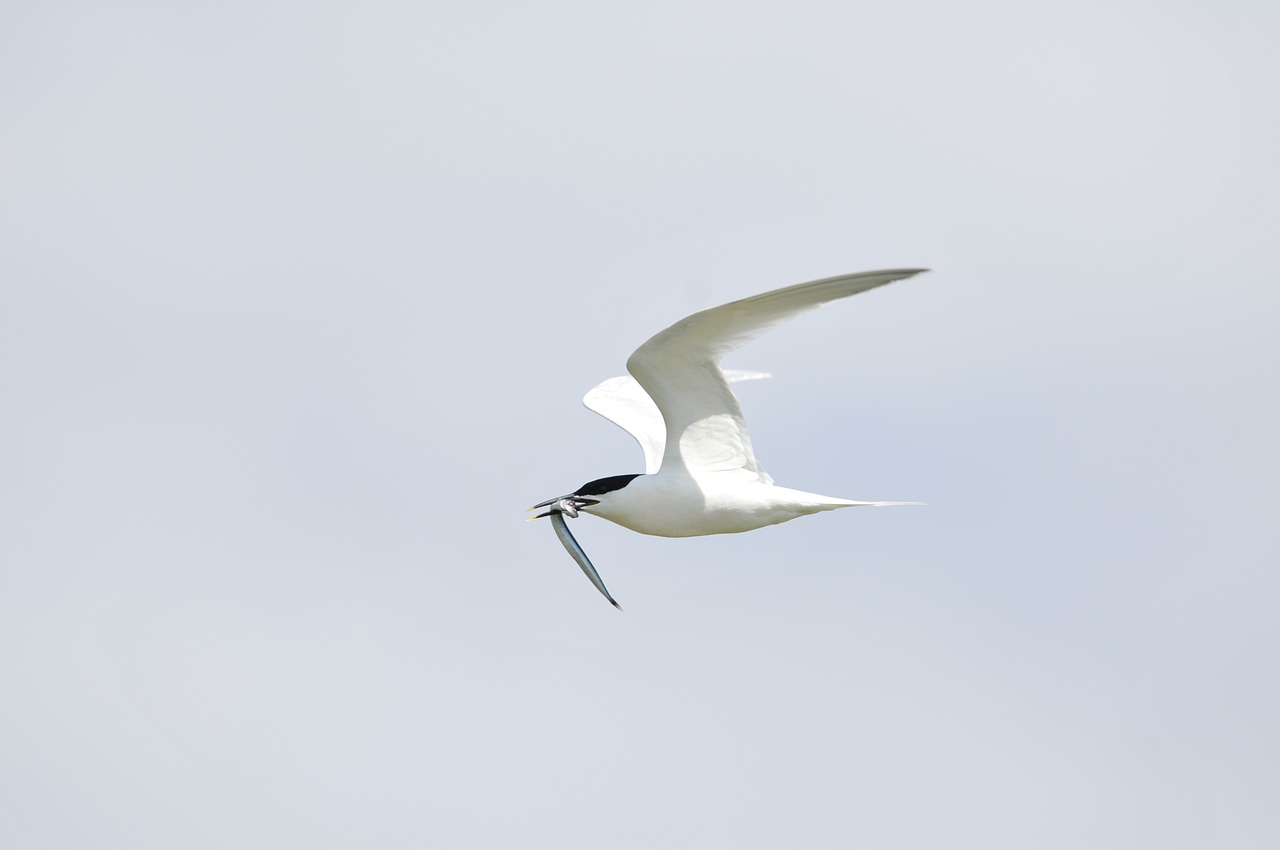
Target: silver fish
(571,546)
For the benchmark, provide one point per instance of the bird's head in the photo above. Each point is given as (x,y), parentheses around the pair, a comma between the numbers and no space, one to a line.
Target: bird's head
(584,497)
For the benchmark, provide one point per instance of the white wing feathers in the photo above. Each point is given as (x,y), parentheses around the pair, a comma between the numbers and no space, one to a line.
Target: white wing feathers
(679,370)
(625,403)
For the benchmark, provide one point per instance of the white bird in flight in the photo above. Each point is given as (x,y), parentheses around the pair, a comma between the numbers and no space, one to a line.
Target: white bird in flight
(701,475)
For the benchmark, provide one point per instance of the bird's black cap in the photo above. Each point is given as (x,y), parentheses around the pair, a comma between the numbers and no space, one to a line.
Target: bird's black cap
(605,485)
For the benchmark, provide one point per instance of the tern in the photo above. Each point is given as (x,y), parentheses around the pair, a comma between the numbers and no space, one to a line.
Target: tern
(701,475)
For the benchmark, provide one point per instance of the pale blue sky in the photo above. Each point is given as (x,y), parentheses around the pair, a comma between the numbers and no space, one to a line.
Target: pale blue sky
(297,304)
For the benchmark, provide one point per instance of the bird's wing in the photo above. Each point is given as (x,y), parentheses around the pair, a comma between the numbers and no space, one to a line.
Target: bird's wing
(625,403)
(679,369)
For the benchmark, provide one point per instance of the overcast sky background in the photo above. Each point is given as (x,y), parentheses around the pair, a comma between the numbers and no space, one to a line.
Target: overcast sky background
(297,304)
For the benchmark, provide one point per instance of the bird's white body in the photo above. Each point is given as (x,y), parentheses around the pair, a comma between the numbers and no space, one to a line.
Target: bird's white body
(701,473)
(673,505)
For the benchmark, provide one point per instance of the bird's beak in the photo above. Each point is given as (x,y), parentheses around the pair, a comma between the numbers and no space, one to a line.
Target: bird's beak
(547,502)
(563,505)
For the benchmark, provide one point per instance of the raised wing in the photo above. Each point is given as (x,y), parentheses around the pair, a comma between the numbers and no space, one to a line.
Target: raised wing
(624,402)
(679,369)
